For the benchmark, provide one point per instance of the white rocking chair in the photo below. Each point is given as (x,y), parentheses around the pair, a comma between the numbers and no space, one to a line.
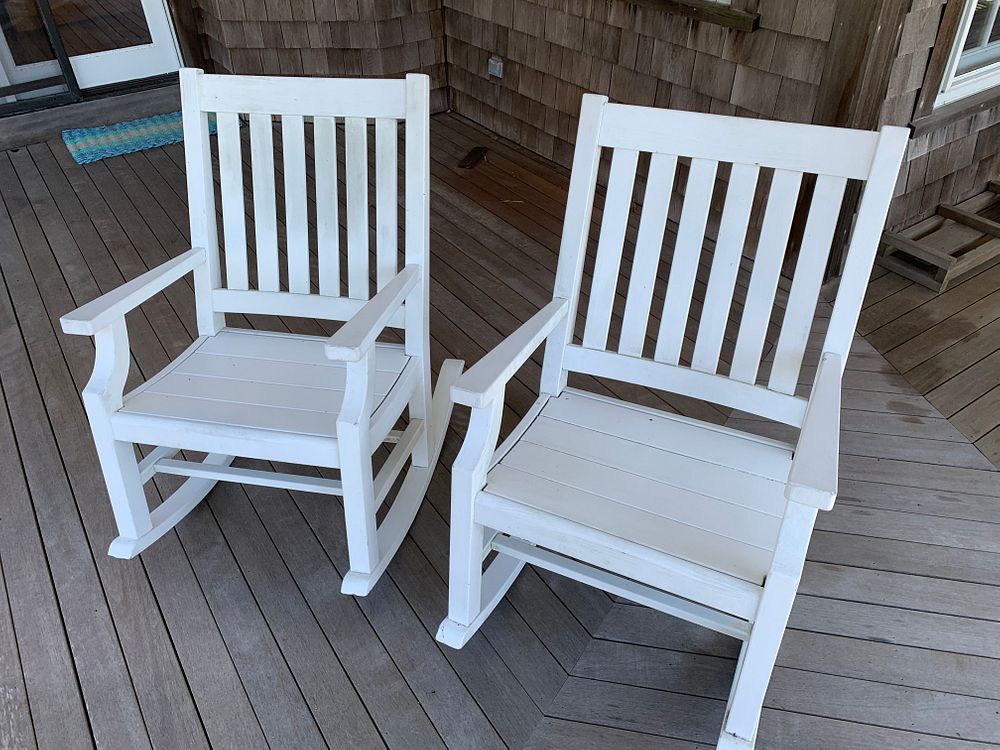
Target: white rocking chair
(703,522)
(322,401)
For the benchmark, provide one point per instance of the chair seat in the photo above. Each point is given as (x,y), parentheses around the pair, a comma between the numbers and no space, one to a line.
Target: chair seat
(241,383)
(697,491)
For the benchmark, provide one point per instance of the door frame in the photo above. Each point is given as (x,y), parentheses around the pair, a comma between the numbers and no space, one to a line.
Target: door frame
(160,55)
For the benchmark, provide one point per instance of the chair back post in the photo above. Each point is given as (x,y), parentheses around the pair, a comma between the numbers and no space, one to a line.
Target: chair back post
(417,209)
(872,213)
(576,231)
(417,239)
(201,200)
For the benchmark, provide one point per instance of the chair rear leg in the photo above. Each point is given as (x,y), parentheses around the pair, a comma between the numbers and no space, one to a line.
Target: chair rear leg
(396,523)
(420,408)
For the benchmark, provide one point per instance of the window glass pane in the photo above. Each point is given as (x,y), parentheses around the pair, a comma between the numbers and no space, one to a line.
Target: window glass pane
(982,45)
(86,26)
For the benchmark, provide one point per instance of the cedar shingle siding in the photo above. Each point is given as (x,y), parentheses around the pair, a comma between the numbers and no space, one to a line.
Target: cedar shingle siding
(556,50)
(379,38)
(950,163)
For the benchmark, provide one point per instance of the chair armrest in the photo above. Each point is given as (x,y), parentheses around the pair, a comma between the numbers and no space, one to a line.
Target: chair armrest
(98,314)
(353,339)
(480,384)
(813,476)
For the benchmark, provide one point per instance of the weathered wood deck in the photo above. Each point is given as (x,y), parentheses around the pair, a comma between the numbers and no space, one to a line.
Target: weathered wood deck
(946,345)
(232,632)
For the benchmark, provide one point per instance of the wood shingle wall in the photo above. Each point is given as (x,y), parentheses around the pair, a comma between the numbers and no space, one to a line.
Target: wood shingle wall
(378,38)
(556,50)
(947,164)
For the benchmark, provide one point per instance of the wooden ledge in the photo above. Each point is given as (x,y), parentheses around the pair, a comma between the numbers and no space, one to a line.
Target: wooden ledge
(705,10)
(957,110)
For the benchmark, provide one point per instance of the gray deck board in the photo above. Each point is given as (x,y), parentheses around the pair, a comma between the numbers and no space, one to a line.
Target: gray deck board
(232,631)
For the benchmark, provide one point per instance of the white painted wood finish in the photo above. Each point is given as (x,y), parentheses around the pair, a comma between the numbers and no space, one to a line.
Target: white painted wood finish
(648,244)
(318,401)
(707,523)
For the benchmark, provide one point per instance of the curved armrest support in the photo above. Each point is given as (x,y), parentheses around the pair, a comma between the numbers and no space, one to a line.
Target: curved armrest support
(357,336)
(98,314)
(480,384)
(813,476)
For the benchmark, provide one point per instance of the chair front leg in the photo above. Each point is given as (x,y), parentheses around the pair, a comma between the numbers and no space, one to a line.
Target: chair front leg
(468,538)
(760,652)
(354,440)
(102,397)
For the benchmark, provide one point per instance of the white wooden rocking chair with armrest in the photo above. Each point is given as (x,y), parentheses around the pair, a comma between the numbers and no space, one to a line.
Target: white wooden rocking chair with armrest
(326,402)
(703,522)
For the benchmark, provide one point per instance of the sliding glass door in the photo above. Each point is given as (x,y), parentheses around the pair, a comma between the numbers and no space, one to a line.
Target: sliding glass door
(105,41)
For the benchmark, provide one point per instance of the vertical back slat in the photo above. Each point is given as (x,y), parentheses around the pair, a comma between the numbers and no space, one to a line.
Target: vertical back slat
(386,200)
(725,266)
(798,319)
(264,210)
(684,266)
(617,205)
(648,246)
(327,207)
(771,246)
(356,154)
(293,149)
(233,206)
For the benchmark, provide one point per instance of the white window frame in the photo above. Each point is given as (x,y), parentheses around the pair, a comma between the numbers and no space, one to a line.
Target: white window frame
(955,86)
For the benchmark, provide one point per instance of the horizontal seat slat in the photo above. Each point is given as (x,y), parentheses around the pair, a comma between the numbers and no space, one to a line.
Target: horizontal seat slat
(270,371)
(629,493)
(251,380)
(675,470)
(283,347)
(251,393)
(706,494)
(696,545)
(712,444)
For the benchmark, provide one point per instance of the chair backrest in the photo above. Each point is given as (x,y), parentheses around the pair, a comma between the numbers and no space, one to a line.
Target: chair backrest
(304,256)
(766,164)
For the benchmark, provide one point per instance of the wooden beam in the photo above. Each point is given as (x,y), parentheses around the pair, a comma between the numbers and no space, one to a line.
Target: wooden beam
(23,88)
(845,59)
(705,10)
(969,219)
(953,111)
(943,42)
(183,15)
(914,248)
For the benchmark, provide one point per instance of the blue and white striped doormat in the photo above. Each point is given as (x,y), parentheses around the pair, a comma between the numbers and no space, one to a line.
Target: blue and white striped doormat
(88,145)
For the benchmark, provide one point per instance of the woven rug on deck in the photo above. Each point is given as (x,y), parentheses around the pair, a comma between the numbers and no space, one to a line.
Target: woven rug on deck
(88,145)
